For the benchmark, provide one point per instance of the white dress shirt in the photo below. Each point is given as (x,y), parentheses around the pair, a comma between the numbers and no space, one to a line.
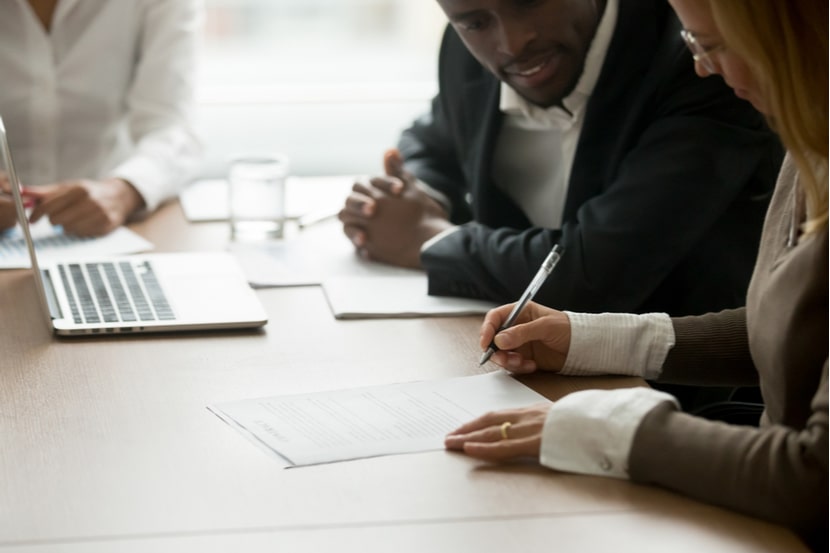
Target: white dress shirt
(536,146)
(591,432)
(105,93)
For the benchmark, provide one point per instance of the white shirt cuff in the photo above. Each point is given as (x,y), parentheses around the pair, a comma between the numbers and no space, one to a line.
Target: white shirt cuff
(161,165)
(618,343)
(590,432)
(438,237)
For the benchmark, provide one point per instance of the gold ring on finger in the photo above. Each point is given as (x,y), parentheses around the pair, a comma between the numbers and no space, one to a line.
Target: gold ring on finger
(504,427)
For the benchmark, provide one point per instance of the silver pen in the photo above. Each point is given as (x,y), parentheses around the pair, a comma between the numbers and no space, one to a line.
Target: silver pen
(541,275)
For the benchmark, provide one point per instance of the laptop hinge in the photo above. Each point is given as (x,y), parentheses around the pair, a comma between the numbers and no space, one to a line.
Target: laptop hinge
(51,297)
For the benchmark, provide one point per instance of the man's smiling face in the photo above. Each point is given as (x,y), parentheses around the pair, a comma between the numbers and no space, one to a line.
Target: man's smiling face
(538,47)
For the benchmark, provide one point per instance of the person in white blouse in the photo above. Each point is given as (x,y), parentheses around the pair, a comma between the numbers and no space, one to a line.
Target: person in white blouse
(96,97)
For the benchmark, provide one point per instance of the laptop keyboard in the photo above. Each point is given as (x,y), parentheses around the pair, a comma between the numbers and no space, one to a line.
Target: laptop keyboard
(114,292)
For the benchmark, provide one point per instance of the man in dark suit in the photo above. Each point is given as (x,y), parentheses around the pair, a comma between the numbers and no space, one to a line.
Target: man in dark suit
(580,123)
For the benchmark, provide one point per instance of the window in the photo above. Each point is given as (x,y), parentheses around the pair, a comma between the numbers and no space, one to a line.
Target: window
(256,47)
(340,78)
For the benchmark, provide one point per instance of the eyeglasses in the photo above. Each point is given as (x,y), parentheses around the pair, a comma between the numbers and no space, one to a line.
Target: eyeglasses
(699,53)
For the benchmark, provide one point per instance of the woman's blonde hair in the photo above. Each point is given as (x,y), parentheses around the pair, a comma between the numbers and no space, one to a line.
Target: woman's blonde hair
(785,45)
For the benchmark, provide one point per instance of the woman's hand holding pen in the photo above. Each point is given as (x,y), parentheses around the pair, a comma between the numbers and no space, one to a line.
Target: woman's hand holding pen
(8,214)
(86,207)
(539,339)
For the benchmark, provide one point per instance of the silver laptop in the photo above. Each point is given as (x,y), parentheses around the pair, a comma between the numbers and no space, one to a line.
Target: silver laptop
(137,293)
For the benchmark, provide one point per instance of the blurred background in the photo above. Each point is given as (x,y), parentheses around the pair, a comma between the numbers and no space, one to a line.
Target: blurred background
(331,83)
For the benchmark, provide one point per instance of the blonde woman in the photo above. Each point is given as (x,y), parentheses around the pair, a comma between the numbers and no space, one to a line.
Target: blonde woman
(774,53)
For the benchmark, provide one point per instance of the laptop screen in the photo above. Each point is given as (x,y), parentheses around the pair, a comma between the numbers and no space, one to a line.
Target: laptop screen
(22,218)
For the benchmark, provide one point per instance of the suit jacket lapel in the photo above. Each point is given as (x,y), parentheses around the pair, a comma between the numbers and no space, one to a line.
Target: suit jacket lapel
(635,37)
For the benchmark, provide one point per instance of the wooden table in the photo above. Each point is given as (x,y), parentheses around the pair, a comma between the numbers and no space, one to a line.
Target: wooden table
(106,445)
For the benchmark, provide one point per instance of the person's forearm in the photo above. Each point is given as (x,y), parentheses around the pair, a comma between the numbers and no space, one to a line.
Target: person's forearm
(159,102)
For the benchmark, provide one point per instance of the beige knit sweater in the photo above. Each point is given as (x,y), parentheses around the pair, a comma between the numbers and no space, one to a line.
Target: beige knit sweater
(778,471)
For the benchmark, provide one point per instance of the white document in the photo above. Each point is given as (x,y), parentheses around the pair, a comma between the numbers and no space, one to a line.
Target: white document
(308,198)
(355,288)
(311,256)
(393,296)
(324,427)
(52,243)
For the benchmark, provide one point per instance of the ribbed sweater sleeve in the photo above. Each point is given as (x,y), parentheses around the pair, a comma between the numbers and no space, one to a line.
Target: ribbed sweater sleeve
(711,349)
